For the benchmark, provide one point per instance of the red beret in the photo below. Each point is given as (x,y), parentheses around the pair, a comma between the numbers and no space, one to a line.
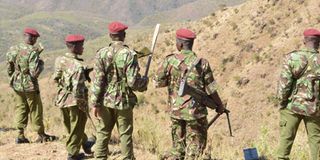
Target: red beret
(116,27)
(74,38)
(32,32)
(311,32)
(185,34)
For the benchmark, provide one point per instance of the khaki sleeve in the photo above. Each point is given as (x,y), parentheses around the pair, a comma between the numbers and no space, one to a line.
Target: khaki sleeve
(57,70)
(35,64)
(285,82)
(99,82)
(10,62)
(209,81)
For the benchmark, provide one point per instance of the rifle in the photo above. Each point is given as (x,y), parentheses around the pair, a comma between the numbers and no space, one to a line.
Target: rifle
(202,97)
(197,94)
(90,119)
(217,116)
(154,40)
(87,74)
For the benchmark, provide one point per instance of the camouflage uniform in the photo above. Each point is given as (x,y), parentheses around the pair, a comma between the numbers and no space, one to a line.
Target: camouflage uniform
(116,77)
(72,98)
(298,93)
(23,67)
(189,121)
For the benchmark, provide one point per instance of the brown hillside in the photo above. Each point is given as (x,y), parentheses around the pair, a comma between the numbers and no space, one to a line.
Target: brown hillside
(56,18)
(245,45)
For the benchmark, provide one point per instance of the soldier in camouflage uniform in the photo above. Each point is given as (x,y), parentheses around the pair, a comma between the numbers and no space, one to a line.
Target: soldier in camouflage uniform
(72,97)
(298,93)
(189,118)
(116,77)
(24,66)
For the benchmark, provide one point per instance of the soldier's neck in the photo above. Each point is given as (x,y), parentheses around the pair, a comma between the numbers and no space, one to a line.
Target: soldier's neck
(73,55)
(26,43)
(310,47)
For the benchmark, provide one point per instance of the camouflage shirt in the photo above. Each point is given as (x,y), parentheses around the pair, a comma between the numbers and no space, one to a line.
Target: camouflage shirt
(24,66)
(70,76)
(170,73)
(298,88)
(116,76)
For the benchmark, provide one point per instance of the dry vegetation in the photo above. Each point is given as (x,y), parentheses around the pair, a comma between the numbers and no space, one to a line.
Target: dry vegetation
(245,45)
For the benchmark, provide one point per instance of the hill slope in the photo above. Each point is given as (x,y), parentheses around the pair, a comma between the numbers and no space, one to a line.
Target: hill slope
(128,11)
(54,19)
(245,45)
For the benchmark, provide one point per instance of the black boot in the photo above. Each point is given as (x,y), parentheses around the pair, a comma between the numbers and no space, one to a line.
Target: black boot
(45,138)
(21,140)
(79,156)
(88,145)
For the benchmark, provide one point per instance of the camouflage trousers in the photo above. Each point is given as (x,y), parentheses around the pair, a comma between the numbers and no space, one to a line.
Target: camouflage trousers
(289,123)
(74,120)
(29,103)
(189,138)
(124,121)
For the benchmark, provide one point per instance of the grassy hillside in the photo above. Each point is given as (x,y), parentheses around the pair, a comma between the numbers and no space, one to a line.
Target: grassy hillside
(55,19)
(53,27)
(244,45)
(125,10)
(8,11)
(188,12)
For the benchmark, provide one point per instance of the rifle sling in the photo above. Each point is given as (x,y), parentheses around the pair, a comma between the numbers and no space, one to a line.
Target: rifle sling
(188,71)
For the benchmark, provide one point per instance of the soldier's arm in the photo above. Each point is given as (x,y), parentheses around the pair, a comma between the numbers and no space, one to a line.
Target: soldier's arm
(35,64)
(285,84)
(78,83)
(134,79)
(99,82)
(57,70)
(211,85)
(10,63)
(161,76)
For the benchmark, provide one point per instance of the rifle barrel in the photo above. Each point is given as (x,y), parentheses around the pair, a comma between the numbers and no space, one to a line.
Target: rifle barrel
(229,124)
(213,119)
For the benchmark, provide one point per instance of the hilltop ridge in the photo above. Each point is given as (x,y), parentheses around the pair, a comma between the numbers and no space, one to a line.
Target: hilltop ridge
(245,45)
(56,18)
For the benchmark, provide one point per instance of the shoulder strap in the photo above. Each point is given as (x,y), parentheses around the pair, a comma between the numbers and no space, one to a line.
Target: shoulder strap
(115,51)
(304,69)
(188,71)
(182,66)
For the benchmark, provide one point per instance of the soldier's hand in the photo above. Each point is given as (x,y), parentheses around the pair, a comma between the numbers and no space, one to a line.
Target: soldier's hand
(96,112)
(144,84)
(220,109)
(87,74)
(41,62)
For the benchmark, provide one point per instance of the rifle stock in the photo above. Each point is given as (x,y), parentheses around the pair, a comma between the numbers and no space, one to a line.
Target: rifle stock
(197,94)
(202,97)
(228,119)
